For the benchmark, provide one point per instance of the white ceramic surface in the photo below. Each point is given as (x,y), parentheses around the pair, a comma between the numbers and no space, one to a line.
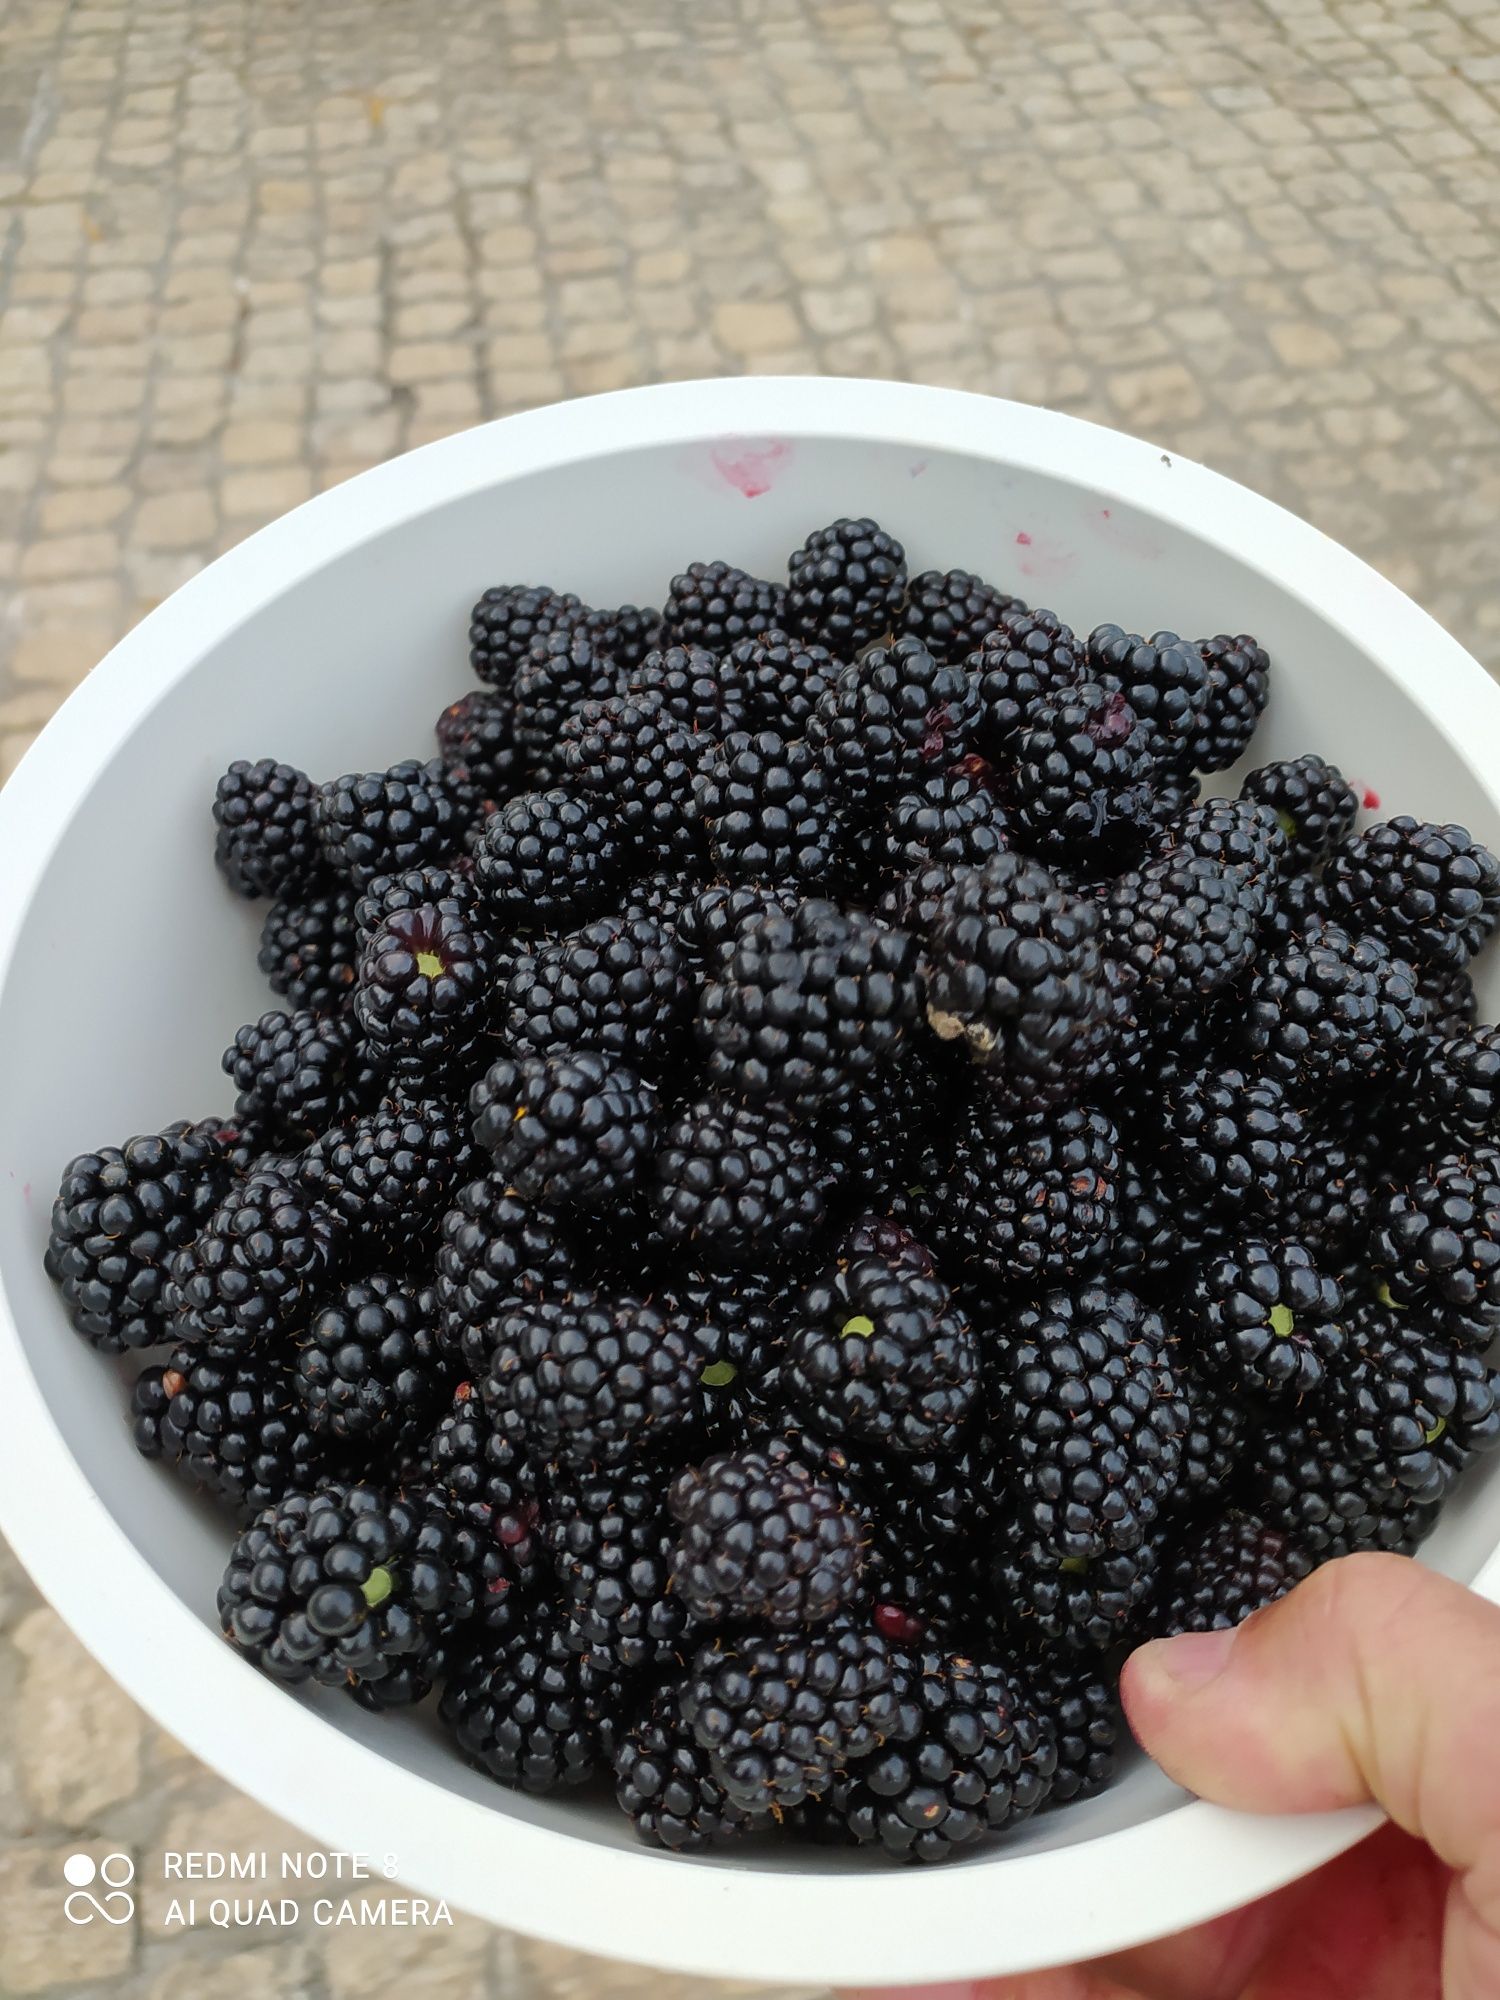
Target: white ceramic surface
(332,639)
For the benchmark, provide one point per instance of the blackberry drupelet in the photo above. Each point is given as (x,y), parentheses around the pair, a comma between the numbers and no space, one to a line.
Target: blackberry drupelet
(559,674)
(1330,1013)
(768,810)
(808,1004)
(1270,1321)
(711,918)
(388,1174)
(610,1537)
(1166,682)
(664,1781)
(878,1352)
(565,1129)
(529,1711)
(953,612)
(1185,925)
(618,985)
(308,947)
(295,1073)
(232,1426)
(1030,654)
(954,817)
(737,1185)
(715,605)
(1217,1575)
(1313,803)
(385,821)
(1033,1201)
(639,761)
(780,680)
(509,619)
(1079,1704)
(477,746)
(1239,683)
(1076,1604)
(367,1370)
(589,1380)
(1235,1139)
(545,859)
(891,718)
(700,691)
(1079,783)
(1431,892)
(1434,1244)
(266,844)
(421,993)
(845,586)
(248,1278)
(1455,1091)
(120,1216)
(762,1538)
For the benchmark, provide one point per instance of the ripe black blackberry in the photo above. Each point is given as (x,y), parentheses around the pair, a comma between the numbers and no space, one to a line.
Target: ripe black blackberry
(120,1216)
(309,947)
(1236,833)
(782,1713)
(508,619)
(738,1185)
(664,1781)
(1330,1013)
(296,1072)
(249,1276)
(1217,1575)
(1431,892)
(1235,1138)
(384,821)
(781,680)
(367,1370)
(589,1380)
(232,1426)
(1299,905)
(715,605)
(346,1586)
(1239,684)
(768,809)
(610,1537)
(1447,992)
(421,993)
(1331,1193)
(627,633)
(387,1175)
(1079,1706)
(1313,803)
(878,1352)
(891,718)
(845,586)
(954,817)
(639,761)
(921,1585)
(891,1131)
(565,1129)
(1162,1231)
(1269,1319)
(618,985)
(711,918)
(762,1538)
(1029,654)
(1187,926)
(1419,1408)
(1165,680)
(476,739)
(495,1494)
(560,673)
(1455,1092)
(1015,974)
(807,1004)
(528,1710)
(1434,1243)
(451,891)
(1079,783)
(953,612)
(266,844)
(1301,1475)
(1033,1201)
(1086,1389)
(1218,1419)
(545,859)
(1073,1603)
(701,691)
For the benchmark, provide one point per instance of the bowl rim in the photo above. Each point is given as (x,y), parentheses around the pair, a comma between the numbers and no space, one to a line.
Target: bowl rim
(884,1926)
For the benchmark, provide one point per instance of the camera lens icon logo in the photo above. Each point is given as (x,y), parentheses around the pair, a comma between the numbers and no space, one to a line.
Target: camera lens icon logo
(113,1874)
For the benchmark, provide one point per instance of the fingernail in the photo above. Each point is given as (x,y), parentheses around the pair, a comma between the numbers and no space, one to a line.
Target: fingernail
(1193,1659)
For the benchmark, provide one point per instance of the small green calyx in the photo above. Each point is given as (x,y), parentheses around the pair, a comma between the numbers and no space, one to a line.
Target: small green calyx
(1383,1293)
(377,1587)
(859,1324)
(429,964)
(1074,1566)
(1287,824)
(1283,1325)
(1432,1436)
(718,1375)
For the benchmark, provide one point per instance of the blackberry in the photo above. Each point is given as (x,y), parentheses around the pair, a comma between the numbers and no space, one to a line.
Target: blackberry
(1079,783)
(1033,1201)
(546,858)
(807,1004)
(120,1216)
(1328,1201)
(715,605)
(529,1711)
(738,1185)
(953,612)
(700,691)
(447,890)
(1417,1407)
(494,1250)
(1239,684)
(1332,1013)
(639,761)
(1313,803)
(890,719)
(953,817)
(733,1319)
(1435,1245)
(920,1584)
(1218,1575)
(1302,1476)
(661,899)
(711,919)
(1236,833)
(763,1539)
(782,1713)
(308,947)
(385,821)
(560,673)
(610,1541)
(367,1369)
(845,586)
(1432,893)
(1299,905)
(576,1128)
(768,811)
(1080,1707)
(781,680)
(295,1072)
(589,1380)
(232,1426)
(1270,1320)
(1235,1139)
(1015,974)
(878,1352)
(1185,925)
(1447,992)
(345,1586)
(421,993)
(889,1133)
(627,633)
(495,1494)
(509,619)
(618,985)
(1076,1603)
(1218,1419)
(1086,1390)
(1029,655)
(476,741)
(1455,1091)
(266,845)
(913,902)
(248,1277)
(1162,1231)
(1165,680)
(664,1781)
(387,1175)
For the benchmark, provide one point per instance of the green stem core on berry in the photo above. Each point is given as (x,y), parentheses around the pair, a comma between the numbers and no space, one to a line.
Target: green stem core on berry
(718,1375)
(377,1587)
(1287,824)
(1432,1436)
(1383,1293)
(859,1323)
(1283,1324)
(1074,1565)
(429,964)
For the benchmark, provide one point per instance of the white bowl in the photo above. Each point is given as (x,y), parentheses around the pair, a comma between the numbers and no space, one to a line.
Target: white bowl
(332,639)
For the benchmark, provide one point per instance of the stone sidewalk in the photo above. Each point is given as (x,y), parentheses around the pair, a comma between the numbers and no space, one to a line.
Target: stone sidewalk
(250,249)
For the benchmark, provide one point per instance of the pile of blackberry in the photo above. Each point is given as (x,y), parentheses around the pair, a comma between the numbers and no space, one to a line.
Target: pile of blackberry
(808,1192)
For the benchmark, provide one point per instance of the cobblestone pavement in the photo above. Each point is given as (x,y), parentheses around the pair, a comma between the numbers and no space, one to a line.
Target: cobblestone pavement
(253,247)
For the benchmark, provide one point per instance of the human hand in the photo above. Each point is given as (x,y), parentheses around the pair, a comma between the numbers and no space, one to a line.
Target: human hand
(1375,1679)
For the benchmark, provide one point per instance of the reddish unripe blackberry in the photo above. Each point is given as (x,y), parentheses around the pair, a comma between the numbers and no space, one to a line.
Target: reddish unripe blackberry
(1313,803)
(1431,892)
(266,843)
(845,586)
